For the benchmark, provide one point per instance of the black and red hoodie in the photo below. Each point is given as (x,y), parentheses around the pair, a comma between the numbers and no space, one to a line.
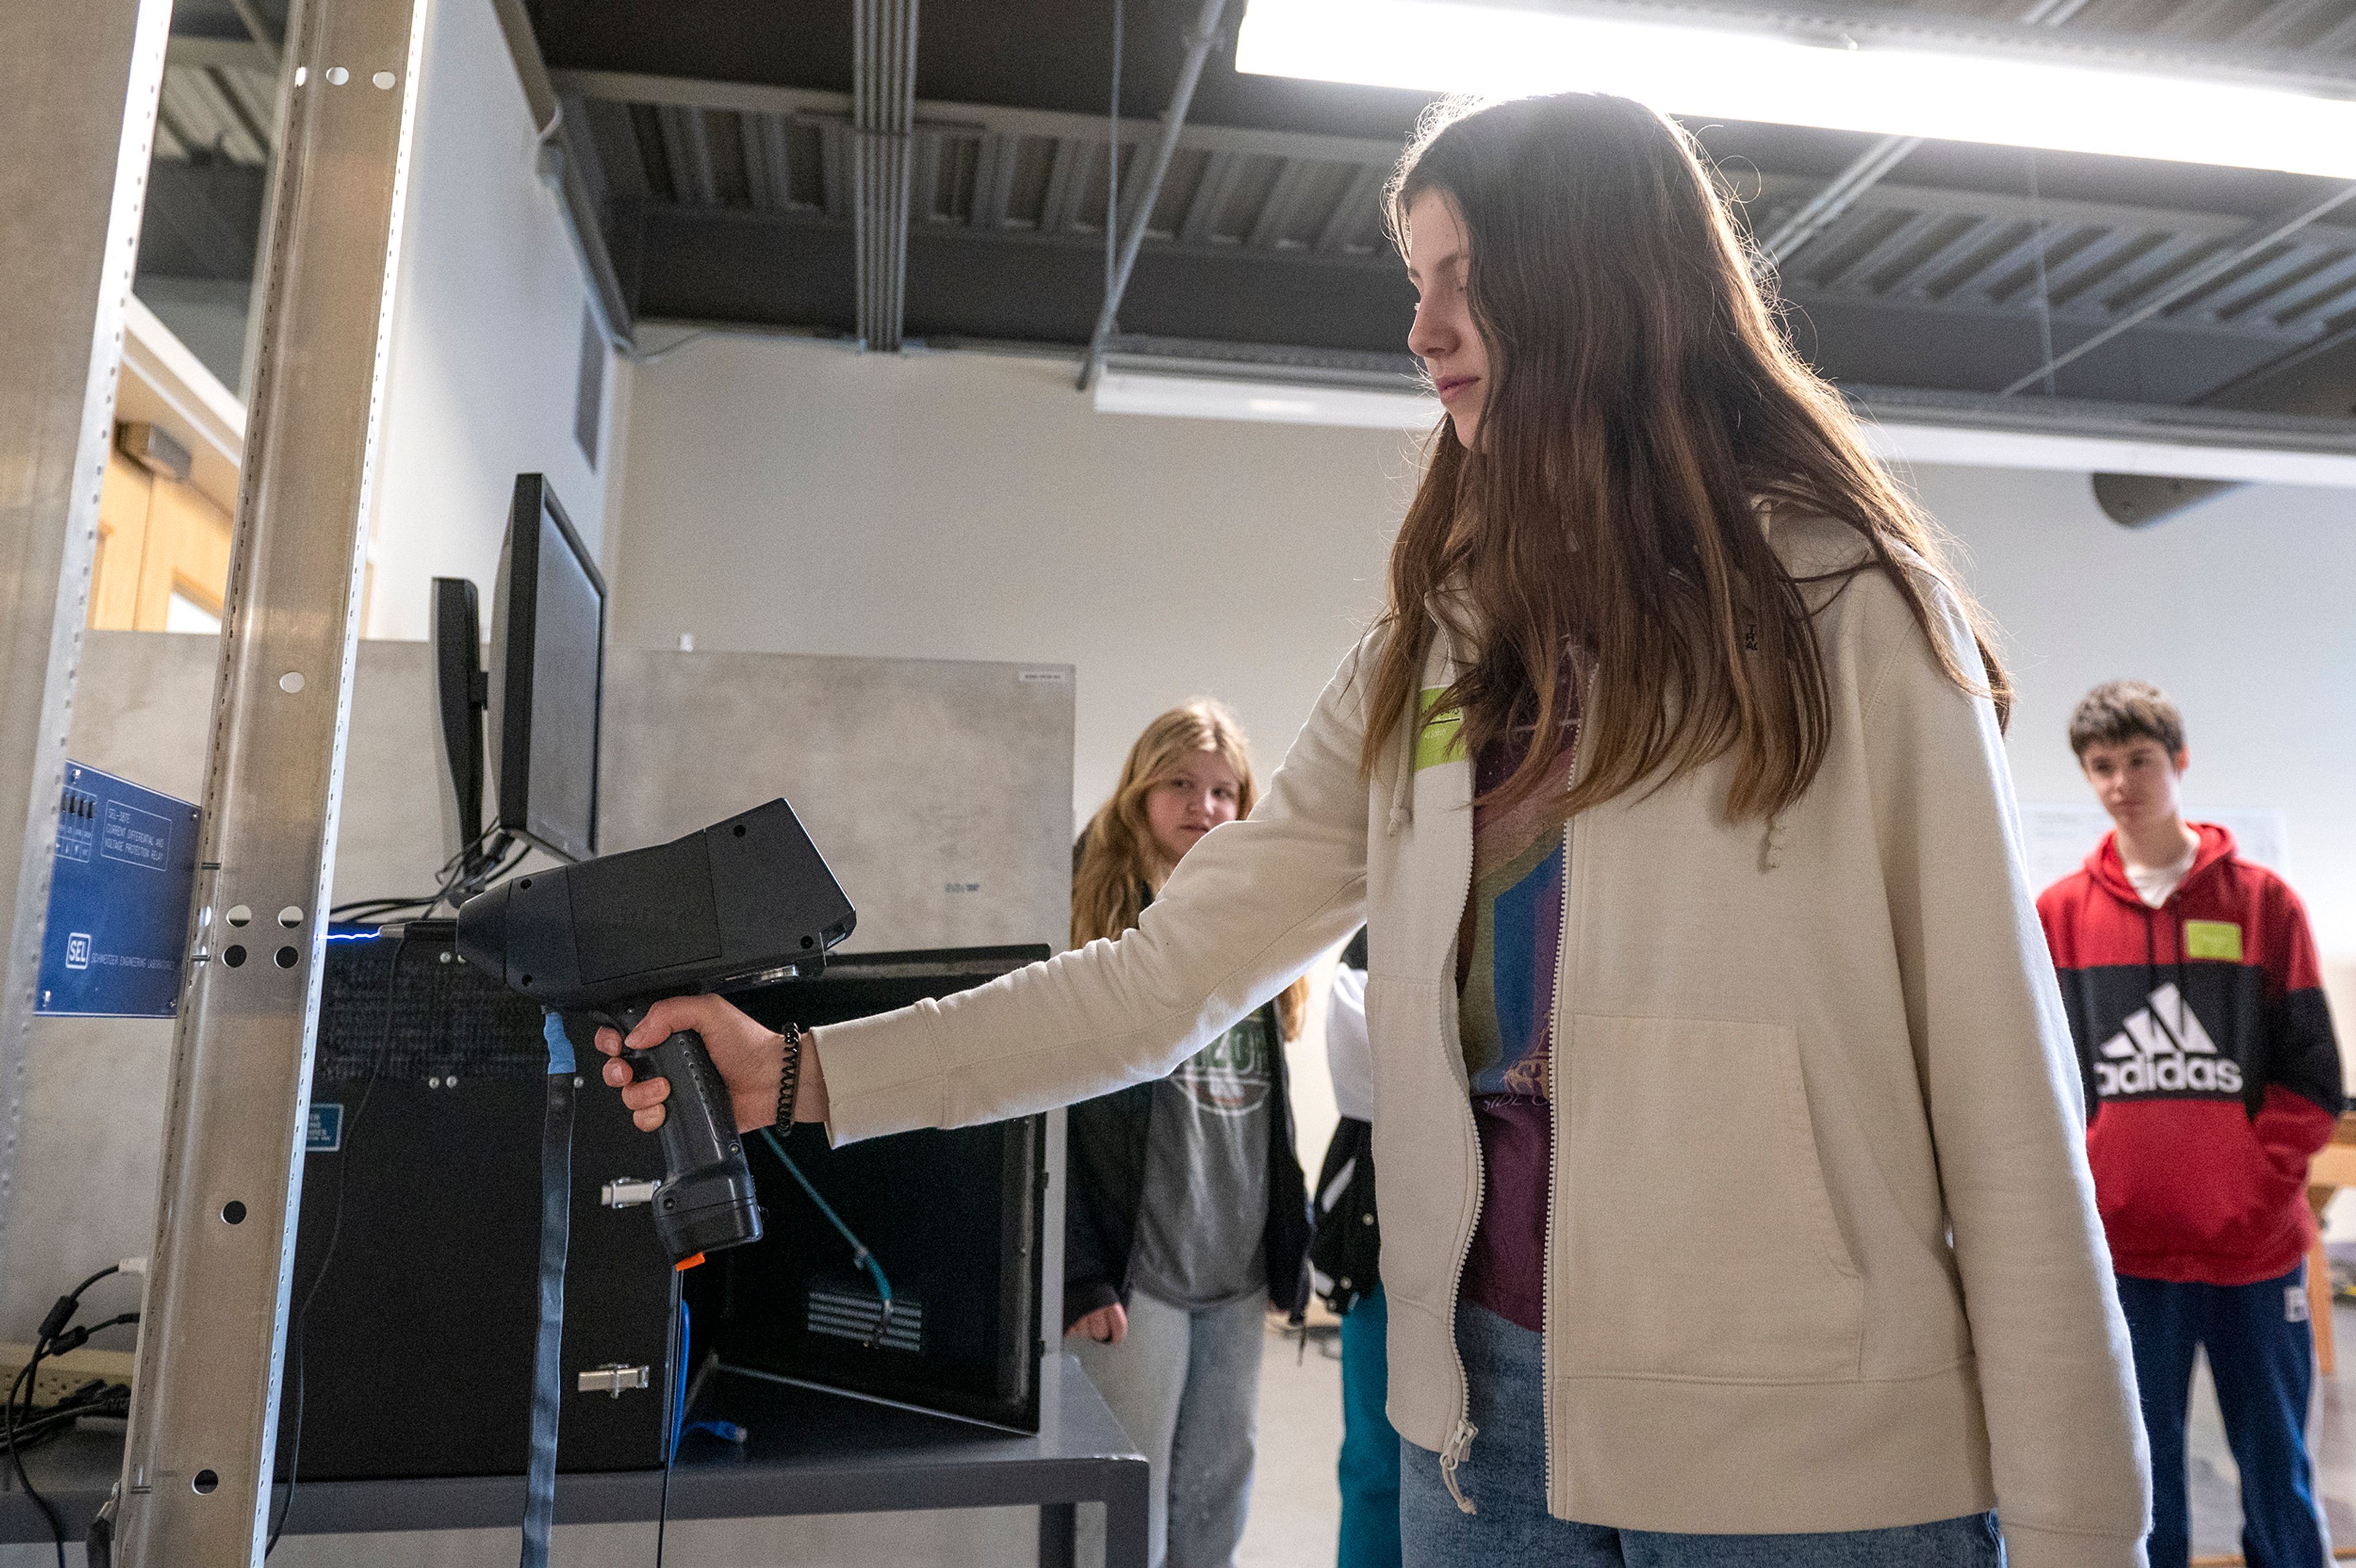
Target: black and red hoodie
(2211,1075)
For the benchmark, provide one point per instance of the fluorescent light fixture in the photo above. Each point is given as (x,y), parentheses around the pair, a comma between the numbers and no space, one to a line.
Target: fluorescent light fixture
(1909,441)
(1690,68)
(1898,435)
(1264,402)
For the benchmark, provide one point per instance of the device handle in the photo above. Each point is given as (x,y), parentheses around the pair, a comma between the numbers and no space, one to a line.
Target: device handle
(707,1200)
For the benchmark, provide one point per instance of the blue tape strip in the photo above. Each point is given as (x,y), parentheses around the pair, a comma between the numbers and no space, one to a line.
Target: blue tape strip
(560,1044)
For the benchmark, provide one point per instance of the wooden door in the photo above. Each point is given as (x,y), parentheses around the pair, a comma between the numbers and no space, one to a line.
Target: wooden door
(158,539)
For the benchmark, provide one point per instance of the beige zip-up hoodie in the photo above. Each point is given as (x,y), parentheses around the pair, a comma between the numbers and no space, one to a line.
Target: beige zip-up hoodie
(1823,1252)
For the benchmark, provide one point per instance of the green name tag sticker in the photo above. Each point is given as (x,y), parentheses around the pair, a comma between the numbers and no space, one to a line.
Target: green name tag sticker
(2219,939)
(1441,739)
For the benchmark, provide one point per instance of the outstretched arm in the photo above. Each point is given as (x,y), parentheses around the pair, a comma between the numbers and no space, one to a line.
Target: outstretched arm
(1249,909)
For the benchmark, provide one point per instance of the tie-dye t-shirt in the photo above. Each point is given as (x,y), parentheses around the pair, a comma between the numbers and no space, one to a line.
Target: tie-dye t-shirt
(1511,928)
(1505,956)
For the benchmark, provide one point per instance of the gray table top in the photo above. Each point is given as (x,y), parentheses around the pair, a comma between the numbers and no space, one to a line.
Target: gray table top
(808,1451)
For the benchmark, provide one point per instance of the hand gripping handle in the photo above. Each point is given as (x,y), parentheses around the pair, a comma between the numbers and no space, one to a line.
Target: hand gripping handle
(707,1200)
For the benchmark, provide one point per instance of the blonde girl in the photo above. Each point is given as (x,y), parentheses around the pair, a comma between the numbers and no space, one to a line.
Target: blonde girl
(1186,1216)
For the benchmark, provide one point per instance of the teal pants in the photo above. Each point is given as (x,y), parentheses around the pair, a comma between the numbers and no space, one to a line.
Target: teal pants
(1370,1449)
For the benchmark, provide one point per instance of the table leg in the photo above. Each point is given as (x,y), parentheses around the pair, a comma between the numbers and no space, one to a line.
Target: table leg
(1059,1526)
(2318,1306)
(1125,1515)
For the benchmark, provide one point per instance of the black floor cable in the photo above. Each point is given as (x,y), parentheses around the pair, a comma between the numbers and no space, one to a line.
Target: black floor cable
(55,1336)
(677,1428)
(16,1457)
(335,1232)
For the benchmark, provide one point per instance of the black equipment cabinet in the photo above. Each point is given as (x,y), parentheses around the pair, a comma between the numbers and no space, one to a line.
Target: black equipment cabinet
(952,1218)
(427,1096)
(417,1350)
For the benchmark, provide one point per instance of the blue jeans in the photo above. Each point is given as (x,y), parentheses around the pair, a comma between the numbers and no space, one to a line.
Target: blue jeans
(2262,1355)
(1370,1449)
(1504,1477)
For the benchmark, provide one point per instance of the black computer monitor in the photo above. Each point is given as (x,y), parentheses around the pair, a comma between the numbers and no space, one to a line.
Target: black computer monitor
(548,641)
(461,691)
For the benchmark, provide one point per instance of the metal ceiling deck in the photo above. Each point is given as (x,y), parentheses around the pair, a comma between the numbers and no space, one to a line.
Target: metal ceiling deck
(786,153)
(718,152)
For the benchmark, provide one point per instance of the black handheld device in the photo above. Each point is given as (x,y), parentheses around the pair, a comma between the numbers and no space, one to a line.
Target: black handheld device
(743,903)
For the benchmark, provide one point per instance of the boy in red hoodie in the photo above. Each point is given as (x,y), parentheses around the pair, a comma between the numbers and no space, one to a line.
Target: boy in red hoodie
(2211,1077)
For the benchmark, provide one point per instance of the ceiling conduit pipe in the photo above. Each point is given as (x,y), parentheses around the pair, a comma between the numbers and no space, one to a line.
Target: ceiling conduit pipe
(1174,120)
(883,112)
(2139,500)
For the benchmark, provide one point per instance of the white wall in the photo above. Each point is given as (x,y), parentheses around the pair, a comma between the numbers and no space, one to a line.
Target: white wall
(791,497)
(486,334)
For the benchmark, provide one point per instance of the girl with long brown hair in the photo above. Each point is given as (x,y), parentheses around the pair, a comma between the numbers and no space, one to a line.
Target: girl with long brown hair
(1733,1197)
(1184,1213)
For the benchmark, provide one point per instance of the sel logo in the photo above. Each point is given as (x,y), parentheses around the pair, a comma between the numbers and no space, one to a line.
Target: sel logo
(77,950)
(2163,1048)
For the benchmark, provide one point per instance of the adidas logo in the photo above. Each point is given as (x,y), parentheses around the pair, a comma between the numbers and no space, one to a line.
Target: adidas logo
(2164,1048)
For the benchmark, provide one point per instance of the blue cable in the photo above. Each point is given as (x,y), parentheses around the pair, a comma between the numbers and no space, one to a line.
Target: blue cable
(678,1405)
(859,1253)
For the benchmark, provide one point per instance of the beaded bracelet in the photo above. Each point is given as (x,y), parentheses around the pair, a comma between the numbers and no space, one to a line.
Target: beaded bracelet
(789,1077)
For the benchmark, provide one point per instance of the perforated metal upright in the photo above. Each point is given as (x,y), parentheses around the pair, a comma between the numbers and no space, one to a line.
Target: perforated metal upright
(79,85)
(197,1469)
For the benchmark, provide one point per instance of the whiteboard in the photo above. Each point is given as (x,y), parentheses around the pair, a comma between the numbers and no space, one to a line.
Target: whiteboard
(2056,838)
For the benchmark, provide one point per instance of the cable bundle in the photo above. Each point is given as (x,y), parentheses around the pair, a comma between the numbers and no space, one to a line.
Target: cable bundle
(57,1337)
(492,854)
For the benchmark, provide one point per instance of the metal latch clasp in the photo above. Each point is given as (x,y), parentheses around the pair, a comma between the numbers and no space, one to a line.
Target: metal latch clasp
(613,1379)
(627,1192)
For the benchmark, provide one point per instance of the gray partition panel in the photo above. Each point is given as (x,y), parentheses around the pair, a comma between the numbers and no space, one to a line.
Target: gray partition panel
(940,792)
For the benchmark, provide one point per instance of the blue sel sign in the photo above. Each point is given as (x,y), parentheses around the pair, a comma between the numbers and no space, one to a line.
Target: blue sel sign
(119,888)
(324,1131)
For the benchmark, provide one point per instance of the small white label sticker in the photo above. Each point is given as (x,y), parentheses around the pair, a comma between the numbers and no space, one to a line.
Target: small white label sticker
(1045,676)
(2295,1304)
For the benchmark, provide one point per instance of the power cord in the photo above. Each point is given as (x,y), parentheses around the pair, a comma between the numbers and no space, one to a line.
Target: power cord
(55,1336)
(96,1397)
(860,1255)
(335,1233)
(492,854)
(1112,161)
(678,1341)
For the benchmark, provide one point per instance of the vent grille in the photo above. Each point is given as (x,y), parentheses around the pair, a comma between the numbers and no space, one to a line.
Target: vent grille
(843,1313)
